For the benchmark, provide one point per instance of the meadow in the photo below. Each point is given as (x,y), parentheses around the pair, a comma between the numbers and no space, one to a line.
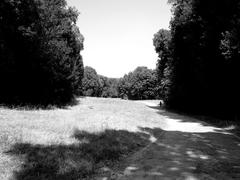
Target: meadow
(102,138)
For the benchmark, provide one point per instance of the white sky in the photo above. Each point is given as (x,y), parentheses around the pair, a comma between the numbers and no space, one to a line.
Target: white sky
(118,33)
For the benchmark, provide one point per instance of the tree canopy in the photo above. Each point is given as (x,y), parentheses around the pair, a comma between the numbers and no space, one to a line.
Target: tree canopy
(40,46)
(109,87)
(199,57)
(139,84)
(91,82)
(96,85)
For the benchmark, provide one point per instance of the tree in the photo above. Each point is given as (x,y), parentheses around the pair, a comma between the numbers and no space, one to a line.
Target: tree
(91,82)
(139,84)
(162,44)
(109,87)
(40,46)
(202,66)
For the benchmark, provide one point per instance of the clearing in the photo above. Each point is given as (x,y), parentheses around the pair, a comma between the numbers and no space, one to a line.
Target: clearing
(179,147)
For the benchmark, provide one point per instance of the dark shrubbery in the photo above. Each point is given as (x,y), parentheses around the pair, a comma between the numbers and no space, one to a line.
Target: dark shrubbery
(40,61)
(199,58)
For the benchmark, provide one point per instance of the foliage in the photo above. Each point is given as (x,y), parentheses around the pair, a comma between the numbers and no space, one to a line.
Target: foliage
(40,46)
(161,42)
(202,57)
(97,85)
(109,87)
(91,82)
(139,84)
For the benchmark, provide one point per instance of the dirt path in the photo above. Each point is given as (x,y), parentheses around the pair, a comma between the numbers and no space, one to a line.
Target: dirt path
(181,147)
(185,149)
(191,156)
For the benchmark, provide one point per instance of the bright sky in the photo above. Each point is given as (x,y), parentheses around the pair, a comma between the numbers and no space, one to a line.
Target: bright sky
(118,33)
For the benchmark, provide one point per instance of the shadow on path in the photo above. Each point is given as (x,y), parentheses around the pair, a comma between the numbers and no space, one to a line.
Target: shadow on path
(178,155)
(94,155)
(186,150)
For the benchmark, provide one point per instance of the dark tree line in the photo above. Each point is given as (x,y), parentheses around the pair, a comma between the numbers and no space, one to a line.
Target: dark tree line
(96,85)
(40,46)
(109,87)
(91,83)
(198,66)
(138,84)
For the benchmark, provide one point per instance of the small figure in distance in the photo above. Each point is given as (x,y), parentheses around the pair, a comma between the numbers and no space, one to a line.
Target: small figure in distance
(160,103)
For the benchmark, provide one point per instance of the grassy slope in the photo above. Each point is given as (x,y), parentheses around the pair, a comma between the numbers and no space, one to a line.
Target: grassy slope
(47,127)
(183,147)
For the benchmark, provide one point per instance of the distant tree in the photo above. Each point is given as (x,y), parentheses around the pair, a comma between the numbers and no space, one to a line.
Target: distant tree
(40,46)
(91,83)
(109,87)
(139,84)
(113,91)
(104,85)
(124,86)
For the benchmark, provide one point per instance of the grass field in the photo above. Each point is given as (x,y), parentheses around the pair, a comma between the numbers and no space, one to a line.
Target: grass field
(57,126)
(113,139)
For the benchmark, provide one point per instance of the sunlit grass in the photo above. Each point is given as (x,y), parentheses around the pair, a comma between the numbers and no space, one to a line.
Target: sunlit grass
(93,136)
(55,126)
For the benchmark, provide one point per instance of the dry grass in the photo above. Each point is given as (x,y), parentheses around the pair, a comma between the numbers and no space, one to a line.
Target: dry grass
(56,126)
(77,161)
(38,135)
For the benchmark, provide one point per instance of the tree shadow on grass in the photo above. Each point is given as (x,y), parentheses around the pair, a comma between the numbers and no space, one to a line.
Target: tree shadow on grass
(182,155)
(196,148)
(119,154)
(83,160)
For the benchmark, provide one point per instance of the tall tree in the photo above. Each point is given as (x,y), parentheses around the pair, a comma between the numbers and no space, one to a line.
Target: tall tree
(40,46)
(204,49)
(91,83)
(162,44)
